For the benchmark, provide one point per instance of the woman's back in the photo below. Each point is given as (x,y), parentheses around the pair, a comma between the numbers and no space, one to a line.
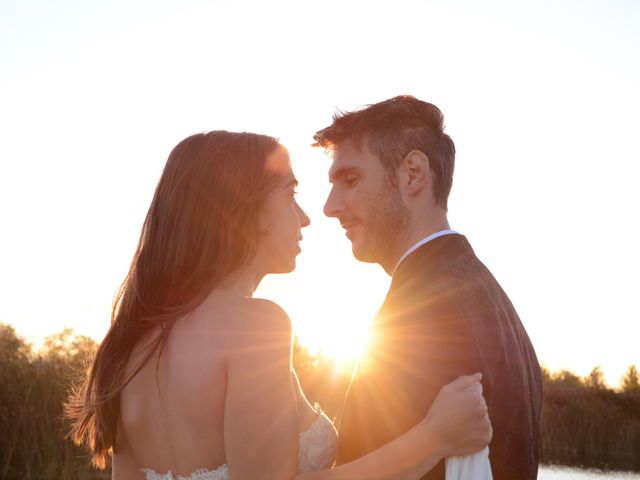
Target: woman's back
(172,411)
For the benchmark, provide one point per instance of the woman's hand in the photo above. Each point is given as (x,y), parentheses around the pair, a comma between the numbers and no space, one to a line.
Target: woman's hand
(457,424)
(458,418)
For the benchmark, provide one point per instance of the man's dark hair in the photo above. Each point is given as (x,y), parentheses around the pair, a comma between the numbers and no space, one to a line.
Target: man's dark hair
(392,129)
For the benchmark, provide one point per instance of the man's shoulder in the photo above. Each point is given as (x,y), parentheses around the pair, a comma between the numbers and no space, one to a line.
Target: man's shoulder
(447,288)
(436,258)
(449,267)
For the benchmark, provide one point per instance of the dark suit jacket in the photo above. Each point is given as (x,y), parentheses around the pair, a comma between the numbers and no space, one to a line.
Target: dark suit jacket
(445,315)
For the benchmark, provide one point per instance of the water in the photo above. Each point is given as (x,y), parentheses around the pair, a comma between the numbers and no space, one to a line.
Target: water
(547,472)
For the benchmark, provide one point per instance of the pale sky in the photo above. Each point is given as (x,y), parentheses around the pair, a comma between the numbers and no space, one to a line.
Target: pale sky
(540,97)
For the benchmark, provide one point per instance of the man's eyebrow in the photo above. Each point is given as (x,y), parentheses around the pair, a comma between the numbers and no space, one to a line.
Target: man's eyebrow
(341,173)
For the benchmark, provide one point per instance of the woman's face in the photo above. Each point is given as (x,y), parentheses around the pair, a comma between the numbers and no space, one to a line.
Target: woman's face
(281,218)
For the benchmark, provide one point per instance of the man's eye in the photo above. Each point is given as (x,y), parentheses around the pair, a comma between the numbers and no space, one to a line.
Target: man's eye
(350,180)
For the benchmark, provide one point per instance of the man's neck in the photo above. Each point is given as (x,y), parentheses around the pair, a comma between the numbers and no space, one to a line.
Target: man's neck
(412,236)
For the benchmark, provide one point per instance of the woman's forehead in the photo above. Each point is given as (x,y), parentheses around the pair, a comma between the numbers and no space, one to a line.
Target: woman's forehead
(278,162)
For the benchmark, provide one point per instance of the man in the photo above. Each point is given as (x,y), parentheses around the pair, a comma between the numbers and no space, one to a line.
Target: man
(445,314)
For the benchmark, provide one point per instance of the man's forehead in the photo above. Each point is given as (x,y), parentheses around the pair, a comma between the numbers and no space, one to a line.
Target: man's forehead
(346,151)
(351,145)
(339,162)
(348,155)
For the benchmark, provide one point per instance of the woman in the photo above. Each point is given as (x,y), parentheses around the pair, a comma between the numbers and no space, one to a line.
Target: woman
(194,377)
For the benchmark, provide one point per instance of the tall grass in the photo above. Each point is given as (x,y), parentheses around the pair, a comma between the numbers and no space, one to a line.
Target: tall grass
(590,426)
(584,422)
(33,386)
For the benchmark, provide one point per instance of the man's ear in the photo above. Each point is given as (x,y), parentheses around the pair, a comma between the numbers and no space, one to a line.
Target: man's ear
(416,172)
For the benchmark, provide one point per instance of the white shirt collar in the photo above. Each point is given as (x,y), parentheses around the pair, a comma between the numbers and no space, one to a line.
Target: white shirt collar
(420,243)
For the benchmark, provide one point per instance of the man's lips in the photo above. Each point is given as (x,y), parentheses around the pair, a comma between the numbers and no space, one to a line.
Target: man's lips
(348,226)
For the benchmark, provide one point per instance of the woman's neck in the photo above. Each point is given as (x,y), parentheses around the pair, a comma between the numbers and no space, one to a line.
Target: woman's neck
(241,284)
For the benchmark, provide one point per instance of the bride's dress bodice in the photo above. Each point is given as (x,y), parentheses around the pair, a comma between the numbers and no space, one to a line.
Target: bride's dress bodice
(317,448)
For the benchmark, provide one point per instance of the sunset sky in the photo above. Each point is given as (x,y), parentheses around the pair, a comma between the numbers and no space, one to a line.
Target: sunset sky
(542,99)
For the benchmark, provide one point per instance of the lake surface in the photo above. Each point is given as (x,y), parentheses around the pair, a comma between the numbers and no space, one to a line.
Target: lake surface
(547,472)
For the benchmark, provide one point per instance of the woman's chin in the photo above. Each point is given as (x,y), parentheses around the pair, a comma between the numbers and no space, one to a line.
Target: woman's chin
(283,262)
(284,267)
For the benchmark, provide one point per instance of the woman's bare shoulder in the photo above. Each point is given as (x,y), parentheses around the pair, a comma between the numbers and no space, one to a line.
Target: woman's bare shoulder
(237,325)
(262,332)
(267,312)
(262,321)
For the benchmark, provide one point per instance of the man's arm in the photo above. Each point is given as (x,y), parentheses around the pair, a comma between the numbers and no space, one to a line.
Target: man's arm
(420,342)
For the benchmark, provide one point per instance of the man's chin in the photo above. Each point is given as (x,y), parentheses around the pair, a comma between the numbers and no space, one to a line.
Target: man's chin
(362,254)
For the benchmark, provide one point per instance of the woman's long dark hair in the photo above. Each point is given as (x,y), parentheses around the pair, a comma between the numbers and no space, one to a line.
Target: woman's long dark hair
(201,227)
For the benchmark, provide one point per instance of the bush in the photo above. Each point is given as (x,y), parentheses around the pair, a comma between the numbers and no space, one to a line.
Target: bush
(584,423)
(587,424)
(33,444)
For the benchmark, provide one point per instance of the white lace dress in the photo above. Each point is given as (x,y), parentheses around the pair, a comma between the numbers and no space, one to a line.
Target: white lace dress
(317,450)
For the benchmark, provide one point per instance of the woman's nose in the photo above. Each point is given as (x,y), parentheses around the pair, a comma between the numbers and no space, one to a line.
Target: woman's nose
(302,216)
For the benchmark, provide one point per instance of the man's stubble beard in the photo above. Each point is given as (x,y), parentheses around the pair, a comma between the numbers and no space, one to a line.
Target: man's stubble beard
(388,220)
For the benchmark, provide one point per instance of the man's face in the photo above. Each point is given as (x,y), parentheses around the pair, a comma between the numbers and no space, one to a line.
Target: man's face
(368,206)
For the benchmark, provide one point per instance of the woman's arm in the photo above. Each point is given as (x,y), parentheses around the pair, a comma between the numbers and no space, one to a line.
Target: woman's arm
(260,420)
(457,424)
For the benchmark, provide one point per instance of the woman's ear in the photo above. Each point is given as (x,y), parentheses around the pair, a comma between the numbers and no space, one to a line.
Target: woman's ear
(416,172)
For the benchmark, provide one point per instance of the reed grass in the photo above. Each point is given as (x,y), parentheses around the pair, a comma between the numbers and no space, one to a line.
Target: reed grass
(591,427)
(33,386)
(584,423)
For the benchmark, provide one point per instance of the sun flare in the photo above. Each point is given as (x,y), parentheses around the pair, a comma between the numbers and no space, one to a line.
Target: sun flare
(340,337)
(347,348)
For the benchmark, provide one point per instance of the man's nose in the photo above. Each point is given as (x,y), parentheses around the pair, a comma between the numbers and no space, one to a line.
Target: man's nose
(332,204)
